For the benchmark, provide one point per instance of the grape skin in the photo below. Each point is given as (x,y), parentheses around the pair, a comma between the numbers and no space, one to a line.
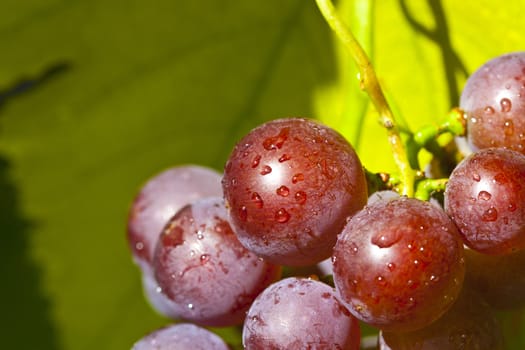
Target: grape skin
(182,336)
(499,279)
(160,198)
(201,266)
(290,185)
(485,197)
(298,313)
(469,324)
(399,264)
(494,102)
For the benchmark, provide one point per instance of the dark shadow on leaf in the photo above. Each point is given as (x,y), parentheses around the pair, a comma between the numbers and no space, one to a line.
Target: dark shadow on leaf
(440,36)
(24,85)
(26,311)
(26,320)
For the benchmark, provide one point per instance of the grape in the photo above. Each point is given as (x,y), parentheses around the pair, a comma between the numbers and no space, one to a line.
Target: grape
(202,267)
(182,336)
(399,264)
(299,313)
(160,198)
(158,300)
(290,185)
(485,197)
(469,324)
(494,102)
(499,279)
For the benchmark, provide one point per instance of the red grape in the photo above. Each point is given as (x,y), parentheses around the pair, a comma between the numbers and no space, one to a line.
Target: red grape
(494,102)
(485,197)
(469,324)
(298,313)
(290,185)
(202,267)
(499,279)
(399,264)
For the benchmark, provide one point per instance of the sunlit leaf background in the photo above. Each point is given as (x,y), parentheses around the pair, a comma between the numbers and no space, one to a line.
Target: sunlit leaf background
(97,96)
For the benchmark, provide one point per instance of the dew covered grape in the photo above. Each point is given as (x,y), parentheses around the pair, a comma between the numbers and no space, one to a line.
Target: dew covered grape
(290,185)
(485,197)
(201,266)
(399,264)
(299,313)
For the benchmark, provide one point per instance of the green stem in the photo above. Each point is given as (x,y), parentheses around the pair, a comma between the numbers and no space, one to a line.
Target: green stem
(370,84)
(454,123)
(426,187)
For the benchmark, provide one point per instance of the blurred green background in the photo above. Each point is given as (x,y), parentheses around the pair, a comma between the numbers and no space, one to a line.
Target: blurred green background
(97,96)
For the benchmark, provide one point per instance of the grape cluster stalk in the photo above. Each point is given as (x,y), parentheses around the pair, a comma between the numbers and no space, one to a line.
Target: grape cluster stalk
(425,261)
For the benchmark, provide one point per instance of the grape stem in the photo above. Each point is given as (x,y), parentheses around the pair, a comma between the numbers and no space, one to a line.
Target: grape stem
(370,84)
(425,188)
(455,124)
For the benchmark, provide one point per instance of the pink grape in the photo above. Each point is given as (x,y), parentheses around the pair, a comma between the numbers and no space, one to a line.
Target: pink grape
(182,336)
(299,313)
(201,266)
(160,198)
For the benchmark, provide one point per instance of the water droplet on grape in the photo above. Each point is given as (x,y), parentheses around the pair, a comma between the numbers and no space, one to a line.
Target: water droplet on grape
(276,142)
(192,253)
(297,177)
(300,197)
(476,177)
(508,127)
(243,213)
(266,170)
(512,207)
(282,216)
(489,215)
(205,258)
(190,306)
(283,191)
(489,110)
(256,198)
(484,195)
(256,160)
(284,158)
(353,248)
(505,104)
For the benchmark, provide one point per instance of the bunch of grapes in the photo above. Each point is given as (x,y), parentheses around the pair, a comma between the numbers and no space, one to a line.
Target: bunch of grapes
(231,249)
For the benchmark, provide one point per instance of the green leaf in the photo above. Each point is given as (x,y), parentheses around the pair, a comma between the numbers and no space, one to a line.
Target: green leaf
(97,96)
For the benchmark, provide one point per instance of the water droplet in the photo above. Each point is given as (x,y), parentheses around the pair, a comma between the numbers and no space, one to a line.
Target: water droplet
(508,127)
(505,104)
(283,191)
(276,142)
(353,248)
(386,239)
(266,170)
(434,278)
(205,258)
(490,214)
(297,177)
(139,246)
(284,158)
(512,207)
(489,110)
(282,216)
(192,253)
(391,266)
(257,200)
(380,279)
(243,213)
(300,197)
(484,195)
(190,306)
(256,160)
(476,177)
